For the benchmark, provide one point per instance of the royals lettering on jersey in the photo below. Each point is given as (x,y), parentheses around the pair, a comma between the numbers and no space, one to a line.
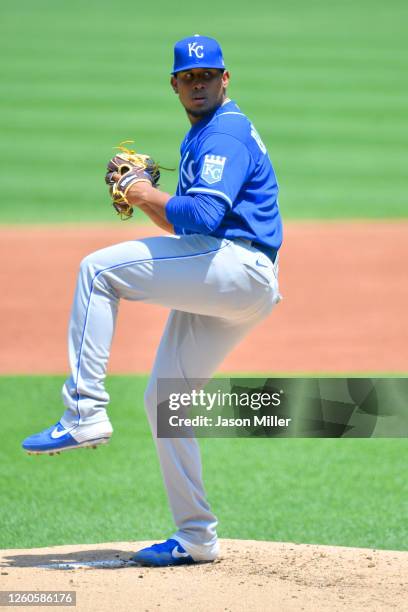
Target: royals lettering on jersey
(223,155)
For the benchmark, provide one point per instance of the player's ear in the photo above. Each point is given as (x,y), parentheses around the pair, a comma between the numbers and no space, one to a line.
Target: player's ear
(173,83)
(225,78)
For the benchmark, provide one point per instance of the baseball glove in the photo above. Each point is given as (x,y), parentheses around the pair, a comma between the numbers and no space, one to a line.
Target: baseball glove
(124,170)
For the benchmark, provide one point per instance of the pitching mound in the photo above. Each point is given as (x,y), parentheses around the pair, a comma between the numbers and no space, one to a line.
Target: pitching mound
(248,576)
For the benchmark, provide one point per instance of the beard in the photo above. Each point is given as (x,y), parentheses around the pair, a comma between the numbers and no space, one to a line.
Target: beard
(204,112)
(198,114)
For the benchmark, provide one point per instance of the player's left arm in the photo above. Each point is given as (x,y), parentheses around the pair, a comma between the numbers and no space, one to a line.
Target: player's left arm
(152,202)
(222,167)
(149,199)
(200,213)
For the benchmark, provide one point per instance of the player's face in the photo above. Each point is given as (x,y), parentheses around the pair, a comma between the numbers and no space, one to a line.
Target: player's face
(201,90)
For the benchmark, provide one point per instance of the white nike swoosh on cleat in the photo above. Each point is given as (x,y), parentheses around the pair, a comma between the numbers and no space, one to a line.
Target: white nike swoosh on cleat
(178,555)
(59,433)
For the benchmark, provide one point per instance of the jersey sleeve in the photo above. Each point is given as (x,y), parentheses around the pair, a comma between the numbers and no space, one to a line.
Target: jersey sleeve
(222,166)
(201,213)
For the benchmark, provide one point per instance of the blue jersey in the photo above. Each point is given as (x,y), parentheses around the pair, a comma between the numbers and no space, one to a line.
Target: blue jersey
(224,156)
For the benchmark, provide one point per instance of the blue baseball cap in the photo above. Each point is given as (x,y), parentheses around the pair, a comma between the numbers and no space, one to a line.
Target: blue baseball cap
(197,52)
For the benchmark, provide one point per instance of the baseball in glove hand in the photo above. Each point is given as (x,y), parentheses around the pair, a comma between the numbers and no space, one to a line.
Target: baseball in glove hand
(132,168)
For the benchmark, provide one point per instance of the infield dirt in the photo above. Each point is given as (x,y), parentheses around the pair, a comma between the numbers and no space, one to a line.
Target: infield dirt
(344,286)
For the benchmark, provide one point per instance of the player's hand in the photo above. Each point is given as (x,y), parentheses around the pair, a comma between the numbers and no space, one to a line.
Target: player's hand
(124,172)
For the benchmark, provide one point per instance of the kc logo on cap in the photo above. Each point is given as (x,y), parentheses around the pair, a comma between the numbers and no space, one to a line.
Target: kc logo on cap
(197,49)
(197,52)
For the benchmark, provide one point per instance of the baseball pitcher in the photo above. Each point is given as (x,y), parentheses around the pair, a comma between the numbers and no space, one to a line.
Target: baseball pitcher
(216,270)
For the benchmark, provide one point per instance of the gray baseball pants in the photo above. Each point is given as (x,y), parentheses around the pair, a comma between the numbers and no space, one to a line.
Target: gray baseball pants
(217,291)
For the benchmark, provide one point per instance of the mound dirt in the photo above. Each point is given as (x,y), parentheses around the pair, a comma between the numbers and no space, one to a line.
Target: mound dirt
(248,575)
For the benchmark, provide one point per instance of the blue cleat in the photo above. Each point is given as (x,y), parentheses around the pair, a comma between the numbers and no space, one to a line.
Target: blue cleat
(57,438)
(170,552)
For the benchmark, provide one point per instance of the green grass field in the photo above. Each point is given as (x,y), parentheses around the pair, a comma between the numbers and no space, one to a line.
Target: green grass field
(345,492)
(324,83)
